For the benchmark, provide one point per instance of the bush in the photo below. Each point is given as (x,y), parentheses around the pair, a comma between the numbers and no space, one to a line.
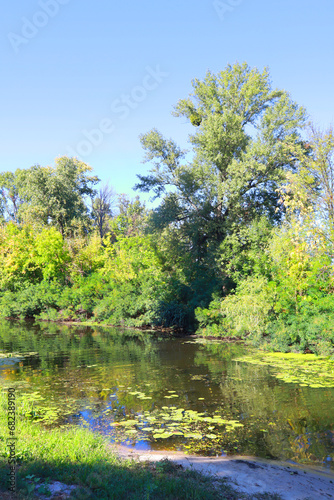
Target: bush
(244,313)
(80,299)
(31,300)
(172,315)
(311,328)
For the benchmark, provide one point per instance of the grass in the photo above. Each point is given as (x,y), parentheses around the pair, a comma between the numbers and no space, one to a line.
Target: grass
(76,456)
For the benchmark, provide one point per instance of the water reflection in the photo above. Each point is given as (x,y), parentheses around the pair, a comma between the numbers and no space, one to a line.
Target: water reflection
(177,393)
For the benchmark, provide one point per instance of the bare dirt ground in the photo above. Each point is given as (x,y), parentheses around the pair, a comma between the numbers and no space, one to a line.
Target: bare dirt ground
(251,475)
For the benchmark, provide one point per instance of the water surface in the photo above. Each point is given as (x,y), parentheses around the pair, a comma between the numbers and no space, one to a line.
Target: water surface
(154,392)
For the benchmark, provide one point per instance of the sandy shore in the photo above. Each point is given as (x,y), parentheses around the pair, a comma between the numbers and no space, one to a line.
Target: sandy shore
(251,475)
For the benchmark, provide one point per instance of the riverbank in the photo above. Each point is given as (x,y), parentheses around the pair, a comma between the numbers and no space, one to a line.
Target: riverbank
(249,475)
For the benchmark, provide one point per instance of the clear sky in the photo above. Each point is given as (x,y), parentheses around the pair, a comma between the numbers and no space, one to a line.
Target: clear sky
(85,78)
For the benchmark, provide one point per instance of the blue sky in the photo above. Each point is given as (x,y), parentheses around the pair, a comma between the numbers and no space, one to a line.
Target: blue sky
(89,77)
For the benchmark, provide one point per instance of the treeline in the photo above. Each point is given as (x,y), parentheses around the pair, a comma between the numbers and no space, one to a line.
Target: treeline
(241,244)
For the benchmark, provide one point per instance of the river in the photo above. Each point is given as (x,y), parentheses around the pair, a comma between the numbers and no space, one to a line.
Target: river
(150,391)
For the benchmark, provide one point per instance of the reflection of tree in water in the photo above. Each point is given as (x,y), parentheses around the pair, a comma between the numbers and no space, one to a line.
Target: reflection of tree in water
(281,420)
(77,367)
(62,345)
(101,369)
(71,365)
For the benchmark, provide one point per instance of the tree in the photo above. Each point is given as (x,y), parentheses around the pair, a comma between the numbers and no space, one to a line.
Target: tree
(131,219)
(244,133)
(9,195)
(309,192)
(27,256)
(51,195)
(102,209)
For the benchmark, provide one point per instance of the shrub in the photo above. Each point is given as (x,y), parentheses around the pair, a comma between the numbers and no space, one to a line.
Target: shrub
(31,300)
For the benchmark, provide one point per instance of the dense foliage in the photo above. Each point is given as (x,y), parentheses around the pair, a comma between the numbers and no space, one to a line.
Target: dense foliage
(241,244)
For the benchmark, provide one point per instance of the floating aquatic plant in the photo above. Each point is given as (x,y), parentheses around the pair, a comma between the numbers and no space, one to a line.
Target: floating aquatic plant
(172,422)
(303,369)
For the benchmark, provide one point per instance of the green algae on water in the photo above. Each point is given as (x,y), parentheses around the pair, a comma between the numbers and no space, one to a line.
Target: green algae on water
(306,370)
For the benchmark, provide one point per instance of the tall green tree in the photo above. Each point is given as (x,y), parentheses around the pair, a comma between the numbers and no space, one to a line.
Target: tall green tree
(309,193)
(244,132)
(53,196)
